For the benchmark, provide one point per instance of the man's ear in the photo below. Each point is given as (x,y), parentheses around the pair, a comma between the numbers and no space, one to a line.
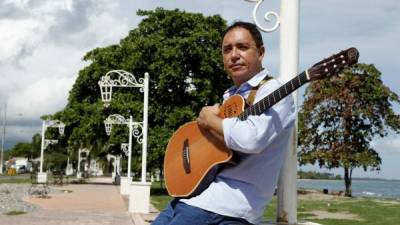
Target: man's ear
(261,52)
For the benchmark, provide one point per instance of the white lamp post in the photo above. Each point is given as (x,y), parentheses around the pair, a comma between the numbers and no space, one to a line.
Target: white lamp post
(126,79)
(80,158)
(69,170)
(42,177)
(139,196)
(2,139)
(135,130)
(289,57)
(114,158)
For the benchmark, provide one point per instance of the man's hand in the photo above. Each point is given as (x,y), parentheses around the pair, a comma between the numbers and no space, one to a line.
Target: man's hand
(209,119)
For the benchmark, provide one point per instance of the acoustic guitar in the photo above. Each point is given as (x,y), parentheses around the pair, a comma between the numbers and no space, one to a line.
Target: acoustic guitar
(193,153)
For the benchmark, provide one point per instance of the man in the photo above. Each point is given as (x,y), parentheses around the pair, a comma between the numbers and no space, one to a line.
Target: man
(239,194)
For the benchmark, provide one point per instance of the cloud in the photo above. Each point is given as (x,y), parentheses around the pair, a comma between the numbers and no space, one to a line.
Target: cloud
(18,39)
(50,94)
(387,145)
(51,38)
(41,46)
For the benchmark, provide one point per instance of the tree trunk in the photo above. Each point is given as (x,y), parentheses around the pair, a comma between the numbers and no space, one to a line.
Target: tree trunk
(347,181)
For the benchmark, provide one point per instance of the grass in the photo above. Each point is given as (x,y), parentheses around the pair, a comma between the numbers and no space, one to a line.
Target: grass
(159,196)
(26,179)
(17,179)
(369,211)
(365,211)
(14,213)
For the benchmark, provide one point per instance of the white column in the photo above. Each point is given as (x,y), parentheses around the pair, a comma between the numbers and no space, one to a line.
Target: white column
(139,195)
(130,147)
(119,165)
(115,166)
(2,139)
(145,114)
(42,146)
(78,171)
(289,54)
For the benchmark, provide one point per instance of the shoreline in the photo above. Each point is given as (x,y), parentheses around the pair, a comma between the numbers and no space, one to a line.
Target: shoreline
(340,194)
(359,178)
(360,188)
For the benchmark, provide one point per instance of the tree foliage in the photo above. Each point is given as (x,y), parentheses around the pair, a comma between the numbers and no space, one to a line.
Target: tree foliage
(341,116)
(30,150)
(180,51)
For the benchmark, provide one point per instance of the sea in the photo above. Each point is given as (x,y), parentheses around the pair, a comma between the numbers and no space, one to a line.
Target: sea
(367,188)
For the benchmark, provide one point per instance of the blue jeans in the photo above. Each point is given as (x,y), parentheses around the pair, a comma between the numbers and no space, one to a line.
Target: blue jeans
(179,213)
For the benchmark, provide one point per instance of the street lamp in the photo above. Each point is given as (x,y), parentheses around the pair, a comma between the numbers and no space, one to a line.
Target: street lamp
(126,79)
(135,129)
(125,182)
(42,177)
(141,190)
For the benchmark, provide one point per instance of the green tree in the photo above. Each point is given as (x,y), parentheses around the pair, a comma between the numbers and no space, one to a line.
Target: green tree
(36,145)
(180,51)
(341,116)
(27,150)
(21,149)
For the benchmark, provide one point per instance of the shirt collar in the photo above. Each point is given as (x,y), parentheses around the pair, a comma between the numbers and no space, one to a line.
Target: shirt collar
(253,82)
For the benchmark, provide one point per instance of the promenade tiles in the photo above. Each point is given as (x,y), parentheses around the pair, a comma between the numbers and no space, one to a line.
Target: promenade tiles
(83,204)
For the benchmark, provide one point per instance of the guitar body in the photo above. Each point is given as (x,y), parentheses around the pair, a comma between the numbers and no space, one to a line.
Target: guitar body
(193,153)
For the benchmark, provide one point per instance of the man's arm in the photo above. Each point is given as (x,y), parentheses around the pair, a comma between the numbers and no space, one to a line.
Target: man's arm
(257,131)
(209,119)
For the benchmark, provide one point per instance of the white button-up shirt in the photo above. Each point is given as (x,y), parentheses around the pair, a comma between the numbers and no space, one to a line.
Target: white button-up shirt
(244,190)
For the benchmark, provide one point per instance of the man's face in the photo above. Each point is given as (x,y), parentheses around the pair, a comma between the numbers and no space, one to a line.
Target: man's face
(242,58)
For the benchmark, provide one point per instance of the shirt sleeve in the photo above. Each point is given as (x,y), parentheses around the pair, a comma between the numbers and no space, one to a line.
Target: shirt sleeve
(256,132)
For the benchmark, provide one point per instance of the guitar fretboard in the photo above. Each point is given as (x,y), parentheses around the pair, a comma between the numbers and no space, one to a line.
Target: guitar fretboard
(265,103)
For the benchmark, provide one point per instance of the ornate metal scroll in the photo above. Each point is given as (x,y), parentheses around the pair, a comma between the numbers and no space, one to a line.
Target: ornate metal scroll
(124,79)
(267,17)
(137,127)
(125,148)
(137,131)
(48,142)
(56,123)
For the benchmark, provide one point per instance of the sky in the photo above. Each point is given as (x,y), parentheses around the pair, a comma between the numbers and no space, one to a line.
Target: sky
(42,43)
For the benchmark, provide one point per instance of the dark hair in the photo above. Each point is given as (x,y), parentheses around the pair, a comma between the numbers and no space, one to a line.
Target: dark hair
(251,27)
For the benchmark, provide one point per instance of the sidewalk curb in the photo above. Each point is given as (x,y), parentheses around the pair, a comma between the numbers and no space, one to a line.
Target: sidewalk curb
(144,218)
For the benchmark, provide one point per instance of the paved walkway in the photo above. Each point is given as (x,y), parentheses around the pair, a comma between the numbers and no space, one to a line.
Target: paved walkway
(98,203)
(83,204)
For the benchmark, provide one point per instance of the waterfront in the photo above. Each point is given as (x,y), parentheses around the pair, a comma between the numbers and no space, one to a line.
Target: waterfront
(367,187)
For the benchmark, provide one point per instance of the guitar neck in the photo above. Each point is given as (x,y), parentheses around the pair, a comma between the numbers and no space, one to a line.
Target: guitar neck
(264,104)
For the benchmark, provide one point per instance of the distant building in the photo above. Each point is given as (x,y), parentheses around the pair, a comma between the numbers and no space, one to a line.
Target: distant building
(20,164)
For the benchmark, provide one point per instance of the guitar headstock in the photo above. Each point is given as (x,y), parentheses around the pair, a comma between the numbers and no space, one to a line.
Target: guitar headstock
(334,64)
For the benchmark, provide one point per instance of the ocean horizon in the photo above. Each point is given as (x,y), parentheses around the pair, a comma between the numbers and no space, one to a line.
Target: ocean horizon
(380,188)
